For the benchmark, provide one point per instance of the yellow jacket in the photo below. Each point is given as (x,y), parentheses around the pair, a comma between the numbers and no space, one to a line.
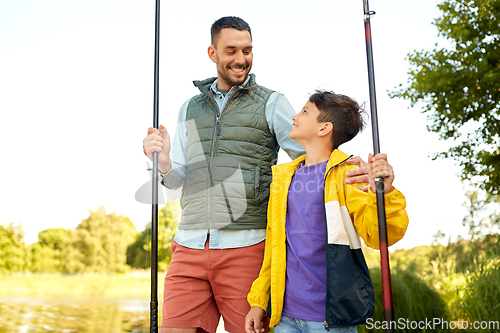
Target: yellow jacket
(350,213)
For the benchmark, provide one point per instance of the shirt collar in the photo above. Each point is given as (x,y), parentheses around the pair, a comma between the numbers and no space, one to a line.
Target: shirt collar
(215,90)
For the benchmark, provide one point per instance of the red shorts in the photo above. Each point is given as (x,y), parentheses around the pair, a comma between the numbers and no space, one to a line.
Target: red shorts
(202,285)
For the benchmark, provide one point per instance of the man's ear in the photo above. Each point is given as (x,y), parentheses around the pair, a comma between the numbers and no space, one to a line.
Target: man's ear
(211,53)
(326,129)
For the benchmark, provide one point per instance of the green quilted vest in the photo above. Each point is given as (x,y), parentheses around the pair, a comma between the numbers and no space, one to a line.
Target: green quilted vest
(229,159)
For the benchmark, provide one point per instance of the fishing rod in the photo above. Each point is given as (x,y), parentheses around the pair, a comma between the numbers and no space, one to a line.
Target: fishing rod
(379,181)
(153,328)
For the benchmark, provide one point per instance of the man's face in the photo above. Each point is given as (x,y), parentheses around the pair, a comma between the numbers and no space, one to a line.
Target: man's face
(233,56)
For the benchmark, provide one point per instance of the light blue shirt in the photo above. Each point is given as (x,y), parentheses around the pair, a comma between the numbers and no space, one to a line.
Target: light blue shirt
(279,114)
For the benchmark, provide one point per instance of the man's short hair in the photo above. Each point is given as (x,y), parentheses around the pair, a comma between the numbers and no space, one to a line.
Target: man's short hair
(345,114)
(228,22)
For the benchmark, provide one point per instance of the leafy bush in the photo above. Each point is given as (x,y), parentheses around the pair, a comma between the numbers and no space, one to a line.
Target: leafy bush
(139,252)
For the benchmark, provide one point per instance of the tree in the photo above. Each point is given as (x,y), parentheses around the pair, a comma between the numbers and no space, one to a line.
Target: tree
(43,259)
(483,216)
(99,244)
(12,248)
(46,254)
(73,259)
(138,254)
(460,87)
(53,238)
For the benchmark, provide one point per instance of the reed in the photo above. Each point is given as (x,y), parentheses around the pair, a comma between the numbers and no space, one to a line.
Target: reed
(480,301)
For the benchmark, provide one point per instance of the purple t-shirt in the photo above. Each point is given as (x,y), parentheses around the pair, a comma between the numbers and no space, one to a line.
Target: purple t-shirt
(305,288)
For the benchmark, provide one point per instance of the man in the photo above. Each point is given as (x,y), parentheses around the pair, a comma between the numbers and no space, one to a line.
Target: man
(226,141)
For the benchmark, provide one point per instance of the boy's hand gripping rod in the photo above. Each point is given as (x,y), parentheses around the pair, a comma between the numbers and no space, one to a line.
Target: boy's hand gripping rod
(379,182)
(153,328)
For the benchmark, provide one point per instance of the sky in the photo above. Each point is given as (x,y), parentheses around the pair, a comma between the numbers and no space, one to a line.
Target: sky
(76,97)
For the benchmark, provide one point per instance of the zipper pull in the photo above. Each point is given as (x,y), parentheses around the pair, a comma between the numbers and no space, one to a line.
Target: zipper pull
(326,325)
(218,127)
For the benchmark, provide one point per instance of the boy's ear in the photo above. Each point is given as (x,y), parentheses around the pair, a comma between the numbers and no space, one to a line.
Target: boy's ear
(326,129)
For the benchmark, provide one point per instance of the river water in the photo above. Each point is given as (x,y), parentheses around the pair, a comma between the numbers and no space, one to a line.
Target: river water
(68,315)
(75,315)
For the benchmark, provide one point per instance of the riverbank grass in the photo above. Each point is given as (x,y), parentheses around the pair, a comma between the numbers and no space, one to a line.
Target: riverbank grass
(136,284)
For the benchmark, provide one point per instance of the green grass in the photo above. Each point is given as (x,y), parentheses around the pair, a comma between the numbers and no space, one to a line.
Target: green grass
(136,284)
(480,300)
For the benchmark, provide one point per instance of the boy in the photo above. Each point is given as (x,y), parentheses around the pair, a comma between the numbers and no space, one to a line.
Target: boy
(307,195)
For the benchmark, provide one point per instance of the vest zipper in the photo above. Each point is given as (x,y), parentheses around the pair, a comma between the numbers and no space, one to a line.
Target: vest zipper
(212,156)
(214,141)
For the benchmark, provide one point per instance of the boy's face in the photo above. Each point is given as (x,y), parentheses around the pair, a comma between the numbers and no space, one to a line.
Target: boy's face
(305,123)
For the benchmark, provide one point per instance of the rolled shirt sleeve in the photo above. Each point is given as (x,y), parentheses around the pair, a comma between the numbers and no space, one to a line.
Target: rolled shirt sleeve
(279,113)
(174,178)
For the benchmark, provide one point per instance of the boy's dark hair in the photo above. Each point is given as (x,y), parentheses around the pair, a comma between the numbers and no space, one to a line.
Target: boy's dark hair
(228,22)
(345,114)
